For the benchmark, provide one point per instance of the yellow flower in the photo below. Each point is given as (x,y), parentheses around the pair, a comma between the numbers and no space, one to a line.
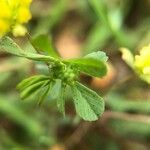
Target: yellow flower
(13,14)
(4,27)
(140,63)
(25,13)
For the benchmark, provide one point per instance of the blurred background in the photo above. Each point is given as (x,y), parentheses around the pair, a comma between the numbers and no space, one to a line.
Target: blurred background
(78,27)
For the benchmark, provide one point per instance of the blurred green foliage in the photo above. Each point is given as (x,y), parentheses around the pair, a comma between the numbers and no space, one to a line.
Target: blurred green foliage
(105,25)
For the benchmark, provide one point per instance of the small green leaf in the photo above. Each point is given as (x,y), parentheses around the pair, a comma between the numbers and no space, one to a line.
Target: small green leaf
(56,89)
(39,57)
(88,104)
(45,91)
(101,56)
(90,66)
(8,45)
(30,81)
(57,93)
(32,89)
(43,43)
(61,101)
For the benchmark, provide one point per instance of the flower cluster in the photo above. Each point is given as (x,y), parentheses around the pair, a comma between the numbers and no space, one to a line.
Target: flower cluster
(13,14)
(139,63)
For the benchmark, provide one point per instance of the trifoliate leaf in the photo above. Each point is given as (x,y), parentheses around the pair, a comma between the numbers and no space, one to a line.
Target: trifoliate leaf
(88,104)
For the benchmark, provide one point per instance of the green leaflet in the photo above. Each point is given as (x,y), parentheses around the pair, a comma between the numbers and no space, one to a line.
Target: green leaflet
(100,56)
(31,80)
(38,57)
(61,101)
(57,93)
(43,43)
(88,104)
(32,84)
(92,64)
(8,45)
(56,89)
(32,89)
(43,93)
